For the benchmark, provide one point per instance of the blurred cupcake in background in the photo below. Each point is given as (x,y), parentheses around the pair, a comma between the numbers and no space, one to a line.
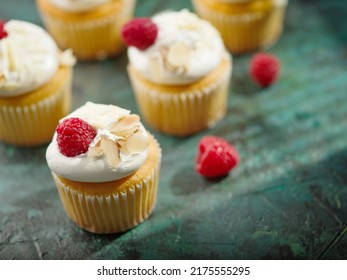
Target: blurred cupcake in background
(245,25)
(91,28)
(179,70)
(35,84)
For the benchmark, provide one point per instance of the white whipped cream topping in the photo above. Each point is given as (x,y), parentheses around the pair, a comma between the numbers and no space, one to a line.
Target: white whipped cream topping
(186,49)
(29,57)
(77,6)
(95,169)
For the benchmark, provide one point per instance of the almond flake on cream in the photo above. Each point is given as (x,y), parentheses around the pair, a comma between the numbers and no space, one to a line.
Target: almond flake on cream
(136,143)
(156,66)
(124,137)
(178,55)
(111,152)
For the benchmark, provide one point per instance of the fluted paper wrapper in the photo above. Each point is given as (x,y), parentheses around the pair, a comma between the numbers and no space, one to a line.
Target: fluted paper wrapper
(31,120)
(245,32)
(90,39)
(184,113)
(111,213)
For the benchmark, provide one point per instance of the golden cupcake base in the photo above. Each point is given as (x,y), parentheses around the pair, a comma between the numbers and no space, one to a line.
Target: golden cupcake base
(246,25)
(116,206)
(183,110)
(31,119)
(92,35)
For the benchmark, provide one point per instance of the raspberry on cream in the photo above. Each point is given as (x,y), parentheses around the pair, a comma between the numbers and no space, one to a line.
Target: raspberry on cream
(119,148)
(185,50)
(74,136)
(3,32)
(140,33)
(29,58)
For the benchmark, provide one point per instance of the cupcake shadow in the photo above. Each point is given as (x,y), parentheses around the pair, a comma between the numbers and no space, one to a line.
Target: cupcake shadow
(241,83)
(186,181)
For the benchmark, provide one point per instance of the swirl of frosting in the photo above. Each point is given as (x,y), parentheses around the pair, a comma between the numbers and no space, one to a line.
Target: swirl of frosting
(119,148)
(29,57)
(78,6)
(186,49)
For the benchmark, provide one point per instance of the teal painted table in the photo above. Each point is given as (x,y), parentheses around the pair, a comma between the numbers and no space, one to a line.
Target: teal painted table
(287,198)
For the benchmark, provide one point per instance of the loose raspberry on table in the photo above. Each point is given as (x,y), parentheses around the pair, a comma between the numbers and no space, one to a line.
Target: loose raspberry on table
(74,136)
(3,33)
(215,157)
(140,33)
(264,69)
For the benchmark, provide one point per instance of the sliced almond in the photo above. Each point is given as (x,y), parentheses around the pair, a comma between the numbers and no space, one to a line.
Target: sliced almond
(189,26)
(126,123)
(178,55)
(95,151)
(137,143)
(111,152)
(125,134)
(123,148)
(2,78)
(156,67)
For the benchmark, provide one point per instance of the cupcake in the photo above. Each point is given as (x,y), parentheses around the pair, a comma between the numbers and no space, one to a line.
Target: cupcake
(106,168)
(35,84)
(91,28)
(179,71)
(245,25)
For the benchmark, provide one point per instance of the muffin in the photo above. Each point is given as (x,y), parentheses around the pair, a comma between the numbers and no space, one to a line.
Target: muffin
(35,84)
(106,168)
(91,28)
(181,75)
(245,25)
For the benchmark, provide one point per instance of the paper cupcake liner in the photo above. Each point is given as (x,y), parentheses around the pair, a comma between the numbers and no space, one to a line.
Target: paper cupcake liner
(90,39)
(245,32)
(185,113)
(33,123)
(114,212)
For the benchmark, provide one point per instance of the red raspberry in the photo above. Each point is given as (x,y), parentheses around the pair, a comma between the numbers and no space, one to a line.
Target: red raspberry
(140,33)
(3,33)
(216,157)
(74,136)
(264,69)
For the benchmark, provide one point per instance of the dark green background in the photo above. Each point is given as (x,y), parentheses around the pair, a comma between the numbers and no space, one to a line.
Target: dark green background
(285,200)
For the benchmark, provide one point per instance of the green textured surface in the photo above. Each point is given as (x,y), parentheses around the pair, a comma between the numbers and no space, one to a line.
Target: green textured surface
(287,198)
